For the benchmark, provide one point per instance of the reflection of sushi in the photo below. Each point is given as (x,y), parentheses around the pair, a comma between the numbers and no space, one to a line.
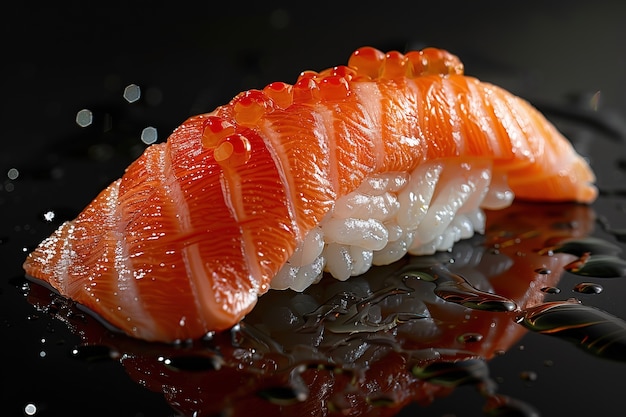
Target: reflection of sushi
(349,167)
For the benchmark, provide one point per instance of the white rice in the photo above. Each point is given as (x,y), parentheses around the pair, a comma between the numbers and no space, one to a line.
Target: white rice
(393,214)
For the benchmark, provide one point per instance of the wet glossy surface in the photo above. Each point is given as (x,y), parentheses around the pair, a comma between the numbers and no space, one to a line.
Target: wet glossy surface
(469,355)
(410,332)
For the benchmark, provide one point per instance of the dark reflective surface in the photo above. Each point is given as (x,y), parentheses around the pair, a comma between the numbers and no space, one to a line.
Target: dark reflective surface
(568,60)
(409,332)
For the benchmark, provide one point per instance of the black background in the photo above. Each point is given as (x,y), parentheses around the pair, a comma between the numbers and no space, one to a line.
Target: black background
(60,57)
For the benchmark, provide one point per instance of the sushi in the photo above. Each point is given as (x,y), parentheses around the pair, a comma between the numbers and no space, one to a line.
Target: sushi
(349,167)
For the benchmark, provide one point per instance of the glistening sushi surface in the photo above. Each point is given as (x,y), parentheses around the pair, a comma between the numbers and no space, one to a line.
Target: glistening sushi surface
(352,166)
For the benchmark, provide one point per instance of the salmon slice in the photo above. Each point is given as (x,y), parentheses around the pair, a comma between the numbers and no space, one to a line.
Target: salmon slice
(198,227)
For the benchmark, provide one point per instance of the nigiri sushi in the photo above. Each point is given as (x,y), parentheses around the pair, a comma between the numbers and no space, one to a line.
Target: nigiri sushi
(349,167)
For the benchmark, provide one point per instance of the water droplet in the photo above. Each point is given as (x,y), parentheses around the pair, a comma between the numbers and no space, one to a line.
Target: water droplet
(452,374)
(132,93)
(543,271)
(209,336)
(453,288)
(84,118)
(551,290)
(600,266)
(595,331)
(581,246)
(149,135)
(464,294)
(588,288)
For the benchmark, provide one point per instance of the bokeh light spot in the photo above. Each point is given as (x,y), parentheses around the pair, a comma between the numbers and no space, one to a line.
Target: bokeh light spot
(149,135)
(84,118)
(132,93)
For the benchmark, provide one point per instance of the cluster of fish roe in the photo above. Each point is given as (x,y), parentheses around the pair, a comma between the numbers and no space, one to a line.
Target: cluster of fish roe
(393,214)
